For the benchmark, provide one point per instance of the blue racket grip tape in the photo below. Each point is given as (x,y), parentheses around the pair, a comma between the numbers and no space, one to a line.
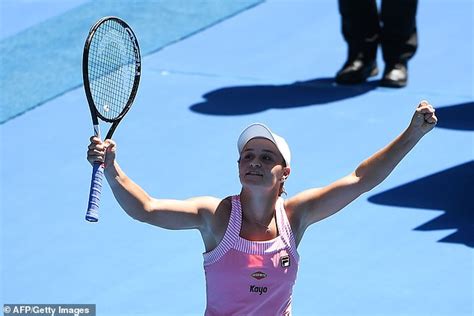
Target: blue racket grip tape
(92,214)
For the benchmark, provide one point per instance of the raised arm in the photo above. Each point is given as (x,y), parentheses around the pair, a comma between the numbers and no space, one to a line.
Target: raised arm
(170,214)
(312,205)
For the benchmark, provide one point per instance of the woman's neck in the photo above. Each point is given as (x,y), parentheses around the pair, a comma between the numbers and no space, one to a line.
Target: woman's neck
(258,207)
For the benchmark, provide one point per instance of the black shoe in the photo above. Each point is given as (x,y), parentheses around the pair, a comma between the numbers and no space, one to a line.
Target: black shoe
(395,76)
(356,71)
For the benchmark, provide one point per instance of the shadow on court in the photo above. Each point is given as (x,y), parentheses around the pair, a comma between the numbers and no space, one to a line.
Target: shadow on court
(241,100)
(459,116)
(450,191)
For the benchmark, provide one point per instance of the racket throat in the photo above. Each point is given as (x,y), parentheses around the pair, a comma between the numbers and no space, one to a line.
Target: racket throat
(96,130)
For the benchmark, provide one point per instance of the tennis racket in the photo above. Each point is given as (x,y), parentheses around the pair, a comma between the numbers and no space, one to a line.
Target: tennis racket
(111,68)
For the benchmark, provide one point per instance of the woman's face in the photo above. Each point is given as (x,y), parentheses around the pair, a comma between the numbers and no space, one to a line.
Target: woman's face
(261,165)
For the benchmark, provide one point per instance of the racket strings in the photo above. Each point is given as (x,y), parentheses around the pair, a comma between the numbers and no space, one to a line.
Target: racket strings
(111,68)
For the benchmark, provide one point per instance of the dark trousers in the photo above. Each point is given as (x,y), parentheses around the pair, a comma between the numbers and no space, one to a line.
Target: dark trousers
(394,29)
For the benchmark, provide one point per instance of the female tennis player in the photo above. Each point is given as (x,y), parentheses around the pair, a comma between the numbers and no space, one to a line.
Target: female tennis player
(251,238)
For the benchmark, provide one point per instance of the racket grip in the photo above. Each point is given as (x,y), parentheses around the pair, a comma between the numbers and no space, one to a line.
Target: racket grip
(92,214)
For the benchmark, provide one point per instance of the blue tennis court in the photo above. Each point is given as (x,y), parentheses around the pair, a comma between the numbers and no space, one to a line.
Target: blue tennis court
(210,68)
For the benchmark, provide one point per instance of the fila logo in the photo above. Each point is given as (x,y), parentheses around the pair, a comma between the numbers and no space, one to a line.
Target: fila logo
(285,261)
(259,275)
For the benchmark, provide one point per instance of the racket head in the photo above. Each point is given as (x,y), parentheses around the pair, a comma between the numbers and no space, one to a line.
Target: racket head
(111,69)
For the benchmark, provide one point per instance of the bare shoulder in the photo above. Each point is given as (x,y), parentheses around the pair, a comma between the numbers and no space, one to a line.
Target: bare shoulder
(221,211)
(296,213)
(216,222)
(205,203)
(301,199)
(295,205)
(292,215)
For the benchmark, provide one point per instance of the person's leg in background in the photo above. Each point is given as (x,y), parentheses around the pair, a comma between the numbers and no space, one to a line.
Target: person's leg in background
(361,31)
(398,39)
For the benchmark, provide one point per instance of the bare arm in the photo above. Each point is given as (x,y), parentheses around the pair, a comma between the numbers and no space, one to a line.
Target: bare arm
(138,204)
(312,205)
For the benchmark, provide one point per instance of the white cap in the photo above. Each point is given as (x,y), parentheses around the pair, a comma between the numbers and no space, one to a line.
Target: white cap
(260,130)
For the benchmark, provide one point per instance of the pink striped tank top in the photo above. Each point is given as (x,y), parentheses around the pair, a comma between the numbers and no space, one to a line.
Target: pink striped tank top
(246,277)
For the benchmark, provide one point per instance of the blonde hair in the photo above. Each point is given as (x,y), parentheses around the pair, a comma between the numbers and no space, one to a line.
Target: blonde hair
(282,189)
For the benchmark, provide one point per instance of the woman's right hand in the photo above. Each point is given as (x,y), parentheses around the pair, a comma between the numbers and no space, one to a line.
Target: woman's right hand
(99,151)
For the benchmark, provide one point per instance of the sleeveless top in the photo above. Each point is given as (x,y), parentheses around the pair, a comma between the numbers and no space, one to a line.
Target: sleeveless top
(246,277)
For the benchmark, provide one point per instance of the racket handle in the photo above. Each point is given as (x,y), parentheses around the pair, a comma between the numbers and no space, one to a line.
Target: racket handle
(92,214)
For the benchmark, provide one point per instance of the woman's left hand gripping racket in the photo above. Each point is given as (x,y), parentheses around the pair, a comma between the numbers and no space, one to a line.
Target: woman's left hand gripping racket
(111,68)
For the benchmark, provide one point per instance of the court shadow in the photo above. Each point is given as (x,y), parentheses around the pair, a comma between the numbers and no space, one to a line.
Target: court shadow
(450,191)
(240,100)
(459,116)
